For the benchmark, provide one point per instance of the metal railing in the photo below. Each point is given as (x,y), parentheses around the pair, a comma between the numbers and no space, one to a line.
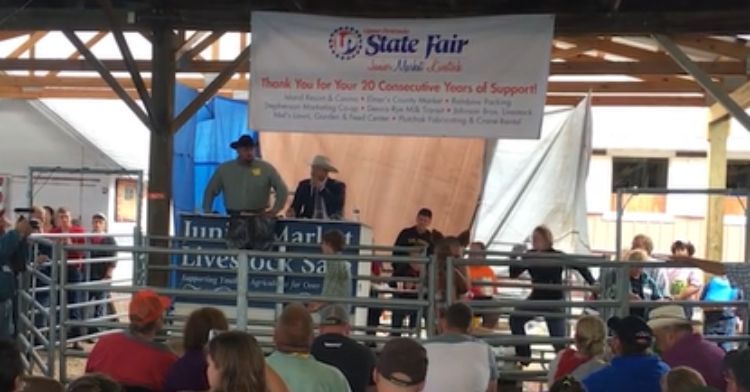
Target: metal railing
(41,341)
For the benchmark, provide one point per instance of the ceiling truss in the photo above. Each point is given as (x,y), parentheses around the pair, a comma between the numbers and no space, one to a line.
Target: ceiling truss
(618,70)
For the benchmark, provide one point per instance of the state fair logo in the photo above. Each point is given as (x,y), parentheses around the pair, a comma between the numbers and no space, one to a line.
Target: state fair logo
(345,43)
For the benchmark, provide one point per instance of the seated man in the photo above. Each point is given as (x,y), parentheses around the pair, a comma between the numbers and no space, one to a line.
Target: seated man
(459,362)
(293,336)
(319,197)
(335,348)
(633,368)
(679,345)
(132,358)
(401,367)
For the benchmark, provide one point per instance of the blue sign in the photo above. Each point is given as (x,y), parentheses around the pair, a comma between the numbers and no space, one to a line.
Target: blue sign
(209,232)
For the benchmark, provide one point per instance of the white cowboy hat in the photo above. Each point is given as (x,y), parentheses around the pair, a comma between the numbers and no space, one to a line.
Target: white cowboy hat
(322,162)
(668,316)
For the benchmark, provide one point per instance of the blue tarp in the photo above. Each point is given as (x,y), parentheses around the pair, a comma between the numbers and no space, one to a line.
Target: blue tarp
(201,145)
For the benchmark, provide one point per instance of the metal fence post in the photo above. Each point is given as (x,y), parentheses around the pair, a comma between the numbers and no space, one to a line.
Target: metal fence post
(432,284)
(243,270)
(618,225)
(52,306)
(623,290)
(747,227)
(448,281)
(63,312)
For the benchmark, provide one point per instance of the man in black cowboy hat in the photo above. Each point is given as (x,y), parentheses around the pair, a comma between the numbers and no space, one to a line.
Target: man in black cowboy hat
(246,183)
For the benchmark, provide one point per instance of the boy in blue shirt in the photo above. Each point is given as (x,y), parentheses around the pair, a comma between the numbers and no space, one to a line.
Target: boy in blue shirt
(633,368)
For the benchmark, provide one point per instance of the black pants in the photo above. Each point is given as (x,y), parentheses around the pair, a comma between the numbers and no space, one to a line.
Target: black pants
(373,314)
(555,325)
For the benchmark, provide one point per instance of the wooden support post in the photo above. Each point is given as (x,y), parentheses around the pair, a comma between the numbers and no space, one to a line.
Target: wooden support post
(717,179)
(160,163)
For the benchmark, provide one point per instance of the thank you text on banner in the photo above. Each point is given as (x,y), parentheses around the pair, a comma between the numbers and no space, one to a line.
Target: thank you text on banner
(472,77)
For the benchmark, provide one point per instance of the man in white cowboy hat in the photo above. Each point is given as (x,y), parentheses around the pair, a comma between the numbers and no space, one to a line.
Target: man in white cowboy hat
(319,197)
(680,345)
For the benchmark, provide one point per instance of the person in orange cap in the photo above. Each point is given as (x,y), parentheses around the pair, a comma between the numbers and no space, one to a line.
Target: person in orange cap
(133,358)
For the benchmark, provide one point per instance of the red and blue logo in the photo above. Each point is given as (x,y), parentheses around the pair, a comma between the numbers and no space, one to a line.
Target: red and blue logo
(345,42)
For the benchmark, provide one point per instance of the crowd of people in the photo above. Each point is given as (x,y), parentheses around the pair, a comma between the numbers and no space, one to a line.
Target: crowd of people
(665,354)
(654,348)
(15,254)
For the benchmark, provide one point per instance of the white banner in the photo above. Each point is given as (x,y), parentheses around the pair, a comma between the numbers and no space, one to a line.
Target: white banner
(469,77)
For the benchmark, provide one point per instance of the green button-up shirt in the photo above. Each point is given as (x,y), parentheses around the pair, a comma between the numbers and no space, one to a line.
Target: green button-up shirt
(246,187)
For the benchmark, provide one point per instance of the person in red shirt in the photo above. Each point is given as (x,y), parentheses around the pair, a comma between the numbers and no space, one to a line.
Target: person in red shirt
(133,358)
(75,268)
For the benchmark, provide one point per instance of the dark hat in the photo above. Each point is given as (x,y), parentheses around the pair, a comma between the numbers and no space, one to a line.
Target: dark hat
(334,315)
(243,141)
(403,362)
(631,330)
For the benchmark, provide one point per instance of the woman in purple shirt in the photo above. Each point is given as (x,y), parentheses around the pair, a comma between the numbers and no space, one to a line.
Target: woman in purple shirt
(189,372)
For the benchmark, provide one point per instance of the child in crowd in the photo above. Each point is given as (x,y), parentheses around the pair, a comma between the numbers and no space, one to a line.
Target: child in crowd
(337,281)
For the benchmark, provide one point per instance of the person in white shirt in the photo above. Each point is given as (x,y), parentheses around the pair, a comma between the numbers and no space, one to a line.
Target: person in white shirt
(459,362)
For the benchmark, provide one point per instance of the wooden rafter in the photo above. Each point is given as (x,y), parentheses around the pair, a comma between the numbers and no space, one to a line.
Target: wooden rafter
(238,84)
(200,46)
(6,35)
(26,45)
(190,43)
(740,95)
(735,50)
(667,68)
(89,44)
(606,45)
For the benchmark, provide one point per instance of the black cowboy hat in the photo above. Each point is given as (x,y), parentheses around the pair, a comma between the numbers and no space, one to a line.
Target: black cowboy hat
(243,141)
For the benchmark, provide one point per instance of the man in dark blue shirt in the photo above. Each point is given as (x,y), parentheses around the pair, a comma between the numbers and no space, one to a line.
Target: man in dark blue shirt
(634,368)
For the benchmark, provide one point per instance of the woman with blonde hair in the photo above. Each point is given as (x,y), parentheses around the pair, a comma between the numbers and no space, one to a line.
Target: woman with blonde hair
(542,242)
(236,364)
(586,358)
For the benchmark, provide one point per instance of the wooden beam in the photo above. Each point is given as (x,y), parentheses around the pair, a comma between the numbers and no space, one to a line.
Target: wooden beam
(608,46)
(736,50)
(556,68)
(718,133)
(672,86)
(89,44)
(239,84)
(190,43)
(210,90)
(107,76)
(127,56)
(718,113)
(564,54)
(27,45)
(199,47)
(6,35)
(627,100)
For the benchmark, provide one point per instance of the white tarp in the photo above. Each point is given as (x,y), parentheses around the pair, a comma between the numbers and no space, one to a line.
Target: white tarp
(539,182)
(466,77)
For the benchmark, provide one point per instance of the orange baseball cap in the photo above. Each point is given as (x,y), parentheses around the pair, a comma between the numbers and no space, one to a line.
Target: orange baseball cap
(147,307)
